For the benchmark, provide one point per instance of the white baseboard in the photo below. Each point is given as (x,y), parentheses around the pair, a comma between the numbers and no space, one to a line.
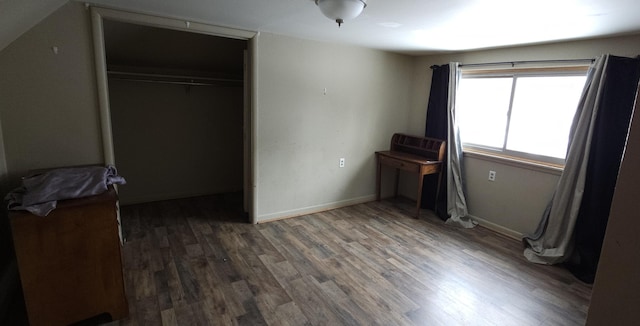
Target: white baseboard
(498,228)
(359,200)
(313,209)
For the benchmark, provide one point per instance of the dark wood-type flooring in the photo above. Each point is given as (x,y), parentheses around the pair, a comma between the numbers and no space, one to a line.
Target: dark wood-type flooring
(196,262)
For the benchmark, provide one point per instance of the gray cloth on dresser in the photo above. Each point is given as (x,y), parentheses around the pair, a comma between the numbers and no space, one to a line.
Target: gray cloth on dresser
(40,192)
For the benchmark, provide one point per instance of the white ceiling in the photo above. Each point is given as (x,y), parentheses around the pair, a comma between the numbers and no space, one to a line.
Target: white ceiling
(408,26)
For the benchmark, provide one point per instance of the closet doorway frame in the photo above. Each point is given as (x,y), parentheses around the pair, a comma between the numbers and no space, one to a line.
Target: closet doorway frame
(99,14)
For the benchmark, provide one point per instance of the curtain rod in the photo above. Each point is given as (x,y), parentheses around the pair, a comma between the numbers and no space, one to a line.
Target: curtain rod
(513,63)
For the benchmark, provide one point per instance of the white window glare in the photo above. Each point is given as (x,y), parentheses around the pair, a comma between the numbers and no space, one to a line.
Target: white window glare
(542,113)
(519,115)
(481,108)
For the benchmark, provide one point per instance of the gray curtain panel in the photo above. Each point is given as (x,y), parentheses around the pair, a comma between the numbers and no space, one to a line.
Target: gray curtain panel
(552,241)
(456,200)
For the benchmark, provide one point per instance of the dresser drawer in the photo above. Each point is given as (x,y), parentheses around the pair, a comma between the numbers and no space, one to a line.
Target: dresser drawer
(399,164)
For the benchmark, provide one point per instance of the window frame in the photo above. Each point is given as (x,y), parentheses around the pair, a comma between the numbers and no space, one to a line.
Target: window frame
(515,73)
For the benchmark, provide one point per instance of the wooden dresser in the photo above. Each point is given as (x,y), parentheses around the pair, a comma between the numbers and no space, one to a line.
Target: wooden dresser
(419,155)
(70,262)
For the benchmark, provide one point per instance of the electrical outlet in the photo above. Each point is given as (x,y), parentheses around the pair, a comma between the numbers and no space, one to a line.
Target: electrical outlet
(342,162)
(492,175)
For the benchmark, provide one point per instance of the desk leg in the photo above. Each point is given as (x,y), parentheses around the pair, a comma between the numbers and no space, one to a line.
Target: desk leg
(435,205)
(419,199)
(395,187)
(378,181)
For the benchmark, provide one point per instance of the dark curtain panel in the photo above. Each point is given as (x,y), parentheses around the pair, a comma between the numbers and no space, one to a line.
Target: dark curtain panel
(606,150)
(437,128)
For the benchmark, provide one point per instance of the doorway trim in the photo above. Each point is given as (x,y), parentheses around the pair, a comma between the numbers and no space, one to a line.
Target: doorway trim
(98,14)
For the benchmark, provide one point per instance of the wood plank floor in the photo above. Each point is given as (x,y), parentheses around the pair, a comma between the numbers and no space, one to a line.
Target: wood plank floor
(194,262)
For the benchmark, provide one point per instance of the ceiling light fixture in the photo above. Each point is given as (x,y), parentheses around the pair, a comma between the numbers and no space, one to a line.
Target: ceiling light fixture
(339,10)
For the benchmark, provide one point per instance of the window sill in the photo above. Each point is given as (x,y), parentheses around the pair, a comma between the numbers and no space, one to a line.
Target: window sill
(514,161)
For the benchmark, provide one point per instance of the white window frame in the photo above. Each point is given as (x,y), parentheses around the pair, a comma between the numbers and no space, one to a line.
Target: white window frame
(515,73)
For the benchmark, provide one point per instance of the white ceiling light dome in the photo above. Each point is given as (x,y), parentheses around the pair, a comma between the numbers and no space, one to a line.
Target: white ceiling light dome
(341,10)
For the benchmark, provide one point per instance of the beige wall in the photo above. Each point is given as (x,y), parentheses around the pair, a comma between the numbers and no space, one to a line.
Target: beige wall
(302,132)
(174,141)
(518,197)
(507,202)
(616,291)
(50,116)
(48,101)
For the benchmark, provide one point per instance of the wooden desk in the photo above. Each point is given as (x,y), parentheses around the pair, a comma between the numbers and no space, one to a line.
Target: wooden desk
(419,155)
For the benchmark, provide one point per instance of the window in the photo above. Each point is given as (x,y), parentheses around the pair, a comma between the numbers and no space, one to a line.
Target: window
(524,114)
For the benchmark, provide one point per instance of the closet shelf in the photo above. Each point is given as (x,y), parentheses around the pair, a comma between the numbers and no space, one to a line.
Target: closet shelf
(176,79)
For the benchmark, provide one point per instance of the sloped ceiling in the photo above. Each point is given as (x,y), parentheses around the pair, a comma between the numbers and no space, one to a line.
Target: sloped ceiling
(407,26)
(18,16)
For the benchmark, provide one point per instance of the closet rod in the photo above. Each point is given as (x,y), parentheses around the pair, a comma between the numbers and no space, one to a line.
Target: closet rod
(513,63)
(187,83)
(189,79)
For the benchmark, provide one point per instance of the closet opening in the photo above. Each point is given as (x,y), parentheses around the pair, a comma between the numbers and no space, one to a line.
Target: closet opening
(177,107)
